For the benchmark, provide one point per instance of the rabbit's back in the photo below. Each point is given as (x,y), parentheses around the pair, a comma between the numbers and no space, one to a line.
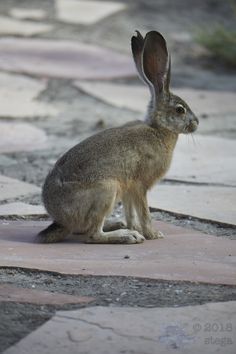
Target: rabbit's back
(122,153)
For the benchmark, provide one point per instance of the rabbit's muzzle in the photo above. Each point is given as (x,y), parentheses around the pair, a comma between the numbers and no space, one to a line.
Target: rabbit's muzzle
(192,125)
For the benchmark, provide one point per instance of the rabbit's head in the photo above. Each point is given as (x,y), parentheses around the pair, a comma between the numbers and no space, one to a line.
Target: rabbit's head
(154,67)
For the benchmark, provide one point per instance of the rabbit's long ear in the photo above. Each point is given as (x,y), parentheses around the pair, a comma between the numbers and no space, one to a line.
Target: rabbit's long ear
(156,62)
(137,43)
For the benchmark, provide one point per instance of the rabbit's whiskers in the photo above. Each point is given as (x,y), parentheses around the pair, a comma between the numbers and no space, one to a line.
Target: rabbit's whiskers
(194,142)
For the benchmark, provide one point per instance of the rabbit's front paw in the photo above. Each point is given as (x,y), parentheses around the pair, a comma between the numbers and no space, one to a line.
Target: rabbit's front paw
(124,236)
(132,236)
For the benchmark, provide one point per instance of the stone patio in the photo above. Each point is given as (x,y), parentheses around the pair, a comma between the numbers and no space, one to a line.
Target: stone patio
(134,330)
(66,73)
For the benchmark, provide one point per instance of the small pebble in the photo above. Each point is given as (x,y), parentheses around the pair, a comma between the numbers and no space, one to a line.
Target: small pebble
(100,124)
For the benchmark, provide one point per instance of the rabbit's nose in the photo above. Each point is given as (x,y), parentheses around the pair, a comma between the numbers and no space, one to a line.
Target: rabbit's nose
(194,122)
(193,125)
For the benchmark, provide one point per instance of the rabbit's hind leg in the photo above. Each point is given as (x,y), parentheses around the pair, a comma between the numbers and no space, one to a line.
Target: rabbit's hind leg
(53,233)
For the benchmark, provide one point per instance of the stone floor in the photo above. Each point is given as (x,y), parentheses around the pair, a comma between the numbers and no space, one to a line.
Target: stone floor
(133,330)
(66,73)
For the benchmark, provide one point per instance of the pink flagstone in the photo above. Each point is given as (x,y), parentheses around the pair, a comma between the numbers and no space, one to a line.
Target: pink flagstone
(11,293)
(182,255)
(62,59)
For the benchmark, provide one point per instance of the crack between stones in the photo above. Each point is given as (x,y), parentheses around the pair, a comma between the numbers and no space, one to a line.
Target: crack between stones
(173,181)
(103,328)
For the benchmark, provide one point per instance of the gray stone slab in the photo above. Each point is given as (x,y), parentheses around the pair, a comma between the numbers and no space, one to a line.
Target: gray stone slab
(21,137)
(62,59)
(208,329)
(7,161)
(86,12)
(136,97)
(25,14)
(120,95)
(205,202)
(23,91)
(209,102)
(204,159)
(21,209)
(12,188)
(10,26)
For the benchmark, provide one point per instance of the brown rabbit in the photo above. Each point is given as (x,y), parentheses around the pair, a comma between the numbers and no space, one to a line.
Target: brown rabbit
(119,163)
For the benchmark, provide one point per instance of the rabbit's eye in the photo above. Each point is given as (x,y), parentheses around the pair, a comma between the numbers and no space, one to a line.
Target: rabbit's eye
(180,109)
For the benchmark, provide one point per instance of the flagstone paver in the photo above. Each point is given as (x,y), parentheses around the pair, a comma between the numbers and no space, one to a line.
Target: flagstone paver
(13,188)
(62,59)
(182,255)
(7,161)
(18,97)
(119,95)
(21,209)
(204,159)
(15,137)
(191,329)
(205,202)
(86,12)
(25,14)
(136,97)
(11,293)
(10,26)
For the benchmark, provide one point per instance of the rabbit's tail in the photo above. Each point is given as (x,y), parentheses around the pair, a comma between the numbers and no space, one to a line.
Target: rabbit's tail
(53,233)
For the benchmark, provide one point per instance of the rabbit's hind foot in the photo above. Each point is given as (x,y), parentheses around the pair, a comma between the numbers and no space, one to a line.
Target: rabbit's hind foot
(53,233)
(122,236)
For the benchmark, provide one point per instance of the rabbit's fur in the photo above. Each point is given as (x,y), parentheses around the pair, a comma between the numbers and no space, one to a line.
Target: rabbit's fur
(119,163)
